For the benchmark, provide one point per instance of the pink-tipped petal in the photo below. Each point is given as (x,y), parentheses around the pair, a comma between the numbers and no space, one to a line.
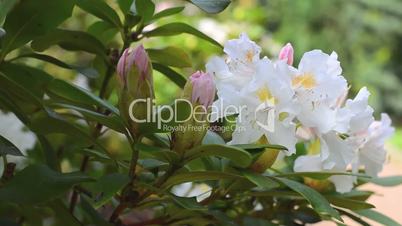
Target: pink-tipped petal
(203,88)
(286,53)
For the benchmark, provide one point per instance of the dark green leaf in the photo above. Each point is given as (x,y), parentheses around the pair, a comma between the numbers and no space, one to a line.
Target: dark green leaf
(70,40)
(39,184)
(125,5)
(63,217)
(170,56)
(94,215)
(199,176)
(319,175)
(156,152)
(238,156)
(378,217)
(167,12)
(113,122)
(211,6)
(179,28)
(49,153)
(175,77)
(188,203)
(145,9)
(5,7)
(260,180)
(32,18)
(100,9)
(74,94)
(317,201)
(260,146)
(107,186)
(103,31)
(89,72)
(8,148)
(349,203)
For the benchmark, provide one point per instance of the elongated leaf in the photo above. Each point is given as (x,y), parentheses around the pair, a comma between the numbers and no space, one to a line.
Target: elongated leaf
(70,40)
(260,146)
(170,56)
(39,184)
(187,203)
(113,122)
(8,148)
(145,9)
(63,217)
(175,77)
(74,94)
(179,28)
(5,7)
(89,72)
(211,6)
(199,176)
(167,12)
(125,5)
(319,175)
(49,153)
(159,153)
(107,186)
(317,201)
(103,31)
(32,18)
(102,10)
(349,203)
(260,180)
(238,156)
(378,217)
(385,181)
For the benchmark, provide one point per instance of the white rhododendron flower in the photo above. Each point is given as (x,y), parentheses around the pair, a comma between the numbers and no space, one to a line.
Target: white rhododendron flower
(287,105)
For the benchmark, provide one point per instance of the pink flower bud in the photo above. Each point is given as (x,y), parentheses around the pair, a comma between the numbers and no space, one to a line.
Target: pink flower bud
(286,53)
(203,88)
(137,57)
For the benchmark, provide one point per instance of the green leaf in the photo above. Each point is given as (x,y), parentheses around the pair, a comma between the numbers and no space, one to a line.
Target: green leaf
(260,180)
(179,28)
(319,175)
(89,72)
(103,31)
(198,176)
(32,18)
(385,181)
(63,217)
(189,203)
(95,216)
(125,5)
(107,186)
(38,184)
(49,153)
(175,77)
(145,9)
(102,10)
(8,148)
(158,153)
(167,12)
(260,146)
(76,95)
(211,6)
(170,56)
(349,203)
(317,201)
(5,7)
(238,156)
(378,217)
(212,138)
(113,122)
(70,40)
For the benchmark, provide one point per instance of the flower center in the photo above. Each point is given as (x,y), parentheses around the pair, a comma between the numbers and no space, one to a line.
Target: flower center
(306,81)
(265,95)
(249,56)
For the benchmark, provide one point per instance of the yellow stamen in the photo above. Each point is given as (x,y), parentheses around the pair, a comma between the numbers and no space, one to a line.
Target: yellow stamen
(306,81)
(265,95)
(249,56)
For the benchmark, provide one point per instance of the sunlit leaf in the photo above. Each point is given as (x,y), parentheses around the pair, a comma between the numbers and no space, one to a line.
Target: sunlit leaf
(170,56)
(211,6)
(102,10)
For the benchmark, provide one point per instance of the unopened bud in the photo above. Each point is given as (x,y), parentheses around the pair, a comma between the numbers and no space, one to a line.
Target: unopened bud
(266,159)
(286,53)
(200,91)
(134,71)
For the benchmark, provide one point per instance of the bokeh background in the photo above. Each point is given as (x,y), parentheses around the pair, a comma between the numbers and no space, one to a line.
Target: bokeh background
(366,34)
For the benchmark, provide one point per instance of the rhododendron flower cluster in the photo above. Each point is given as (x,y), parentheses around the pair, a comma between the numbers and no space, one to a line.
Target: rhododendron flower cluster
(285,105)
